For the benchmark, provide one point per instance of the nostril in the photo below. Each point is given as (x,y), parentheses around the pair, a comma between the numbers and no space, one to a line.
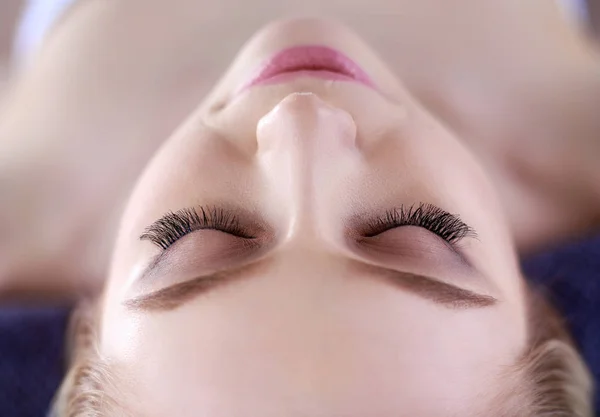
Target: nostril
(348,129)
(307,120)
(301,101)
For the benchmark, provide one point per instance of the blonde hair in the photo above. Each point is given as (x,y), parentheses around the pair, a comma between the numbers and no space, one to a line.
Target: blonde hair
(87,389)
(551,377)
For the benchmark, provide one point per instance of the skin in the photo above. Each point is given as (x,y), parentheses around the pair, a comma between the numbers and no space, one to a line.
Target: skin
(451,126)
(97,88)
(310,331)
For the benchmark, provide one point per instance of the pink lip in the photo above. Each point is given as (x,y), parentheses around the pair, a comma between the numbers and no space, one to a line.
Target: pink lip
(309,61)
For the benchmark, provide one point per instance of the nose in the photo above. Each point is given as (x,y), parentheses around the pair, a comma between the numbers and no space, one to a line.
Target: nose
(305,146)
(306,118)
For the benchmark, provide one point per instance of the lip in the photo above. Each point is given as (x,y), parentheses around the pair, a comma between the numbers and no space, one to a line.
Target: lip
(308,61)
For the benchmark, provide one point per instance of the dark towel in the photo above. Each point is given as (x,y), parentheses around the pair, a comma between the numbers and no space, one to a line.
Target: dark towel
(31,340)
(31,359)
(572,276)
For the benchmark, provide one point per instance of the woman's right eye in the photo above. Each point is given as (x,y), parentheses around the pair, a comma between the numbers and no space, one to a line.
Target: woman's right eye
(447,226)
(175,225)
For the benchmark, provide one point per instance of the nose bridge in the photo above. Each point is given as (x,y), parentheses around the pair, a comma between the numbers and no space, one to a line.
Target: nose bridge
(302,145)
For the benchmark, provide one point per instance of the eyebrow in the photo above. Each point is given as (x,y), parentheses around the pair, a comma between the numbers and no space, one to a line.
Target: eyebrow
(440,293)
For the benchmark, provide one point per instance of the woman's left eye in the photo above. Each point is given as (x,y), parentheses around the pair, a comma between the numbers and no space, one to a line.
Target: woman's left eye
(175,225)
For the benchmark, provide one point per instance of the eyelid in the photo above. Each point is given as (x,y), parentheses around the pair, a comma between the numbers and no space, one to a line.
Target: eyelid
(202,254)
(415,242)
(173,226)
(447,226)
(208,245)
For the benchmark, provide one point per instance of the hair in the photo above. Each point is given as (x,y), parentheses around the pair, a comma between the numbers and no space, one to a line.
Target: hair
(87,390)
(550,376)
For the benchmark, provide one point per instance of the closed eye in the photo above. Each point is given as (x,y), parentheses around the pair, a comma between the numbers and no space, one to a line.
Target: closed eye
(171,227)
(444,224)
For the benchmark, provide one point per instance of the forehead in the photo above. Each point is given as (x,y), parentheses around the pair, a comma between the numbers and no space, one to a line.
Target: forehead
(291,344)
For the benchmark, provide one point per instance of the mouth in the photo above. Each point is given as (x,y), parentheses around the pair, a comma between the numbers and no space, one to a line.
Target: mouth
(308,61)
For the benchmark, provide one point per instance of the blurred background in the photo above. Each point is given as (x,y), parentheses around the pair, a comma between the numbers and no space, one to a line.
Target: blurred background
(585,12)
(9,14)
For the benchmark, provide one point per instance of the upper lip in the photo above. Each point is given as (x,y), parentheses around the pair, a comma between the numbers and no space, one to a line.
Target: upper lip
(281,64)
(309,58)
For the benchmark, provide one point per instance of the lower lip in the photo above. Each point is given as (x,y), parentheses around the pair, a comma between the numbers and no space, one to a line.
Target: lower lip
(309,61)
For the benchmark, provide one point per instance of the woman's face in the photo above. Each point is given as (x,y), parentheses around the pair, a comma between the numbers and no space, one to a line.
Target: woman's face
(340,254)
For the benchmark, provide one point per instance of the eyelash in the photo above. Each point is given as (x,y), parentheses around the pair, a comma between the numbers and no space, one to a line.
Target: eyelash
(447,226)
(173,226)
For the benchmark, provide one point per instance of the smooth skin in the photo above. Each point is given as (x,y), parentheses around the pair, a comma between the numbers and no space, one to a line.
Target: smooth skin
(456,120)
(523,99)
(312,330)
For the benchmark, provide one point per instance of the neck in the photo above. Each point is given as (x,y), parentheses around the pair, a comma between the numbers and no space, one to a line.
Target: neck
(540,126)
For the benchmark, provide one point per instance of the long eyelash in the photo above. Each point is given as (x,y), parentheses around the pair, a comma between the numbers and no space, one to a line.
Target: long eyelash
(447,226)
(173,226)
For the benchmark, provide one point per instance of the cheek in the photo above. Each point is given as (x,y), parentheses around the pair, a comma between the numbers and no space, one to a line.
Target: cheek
(426,163)
(359,350)
(190,170)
